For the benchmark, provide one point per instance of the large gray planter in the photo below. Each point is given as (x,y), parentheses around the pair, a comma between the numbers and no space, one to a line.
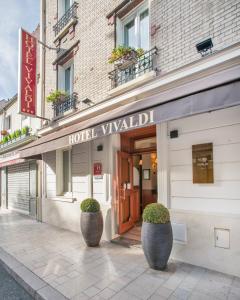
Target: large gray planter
(92,227)
(157,240)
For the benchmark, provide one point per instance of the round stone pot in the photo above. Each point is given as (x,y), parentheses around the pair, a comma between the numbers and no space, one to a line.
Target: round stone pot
(92,227)
(157,240)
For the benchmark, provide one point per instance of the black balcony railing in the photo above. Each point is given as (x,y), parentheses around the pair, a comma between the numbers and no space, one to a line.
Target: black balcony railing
(144,64)
(67,104)
(70,14)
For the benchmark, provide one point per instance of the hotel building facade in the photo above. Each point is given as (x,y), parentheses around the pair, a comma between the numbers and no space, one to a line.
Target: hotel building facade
(162,128)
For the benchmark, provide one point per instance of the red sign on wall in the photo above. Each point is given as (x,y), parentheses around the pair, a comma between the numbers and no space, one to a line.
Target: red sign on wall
(97,169)
(27,73)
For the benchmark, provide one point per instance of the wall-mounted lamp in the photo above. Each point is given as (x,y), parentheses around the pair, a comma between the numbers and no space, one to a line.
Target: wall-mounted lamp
(99,147)
(205,47)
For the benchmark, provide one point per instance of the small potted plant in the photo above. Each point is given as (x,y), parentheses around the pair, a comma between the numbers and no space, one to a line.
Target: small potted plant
(18,134)
(5,139)
(156,235)
(123,56)
(25,131)
(13,136)
(4,132)
(91,222)
(56,96)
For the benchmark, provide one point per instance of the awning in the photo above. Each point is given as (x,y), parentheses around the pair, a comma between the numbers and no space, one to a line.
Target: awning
(136,115)
(12,162)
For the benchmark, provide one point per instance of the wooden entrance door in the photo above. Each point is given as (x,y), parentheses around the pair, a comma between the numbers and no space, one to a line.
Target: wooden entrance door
(127,196)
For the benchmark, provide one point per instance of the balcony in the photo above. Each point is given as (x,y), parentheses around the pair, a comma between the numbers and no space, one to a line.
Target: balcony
(145,64)
(16,139)
(67,105)
(69,18)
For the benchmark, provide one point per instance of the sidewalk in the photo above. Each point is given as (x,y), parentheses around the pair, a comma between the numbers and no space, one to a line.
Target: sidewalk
(60,258)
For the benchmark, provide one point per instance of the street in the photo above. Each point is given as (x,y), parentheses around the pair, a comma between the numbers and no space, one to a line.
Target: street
(10,289)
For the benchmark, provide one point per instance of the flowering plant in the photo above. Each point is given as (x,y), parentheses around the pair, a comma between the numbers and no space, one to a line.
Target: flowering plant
(56,96)
(121,52)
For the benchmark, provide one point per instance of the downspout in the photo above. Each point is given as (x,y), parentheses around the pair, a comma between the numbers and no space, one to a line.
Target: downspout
(41,166)
(42,56)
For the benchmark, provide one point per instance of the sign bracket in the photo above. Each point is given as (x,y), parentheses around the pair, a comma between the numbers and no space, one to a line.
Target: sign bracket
(46,46)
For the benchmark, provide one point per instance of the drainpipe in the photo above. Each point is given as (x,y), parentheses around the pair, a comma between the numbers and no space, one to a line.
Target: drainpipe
(42,57)
(41,173)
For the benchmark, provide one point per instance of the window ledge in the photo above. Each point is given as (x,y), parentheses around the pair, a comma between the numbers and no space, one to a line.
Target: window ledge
(64,31)
(133,83)
(63,199)
(68,112)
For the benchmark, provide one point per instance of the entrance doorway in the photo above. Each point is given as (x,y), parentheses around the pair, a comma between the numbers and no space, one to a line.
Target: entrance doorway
(137,179)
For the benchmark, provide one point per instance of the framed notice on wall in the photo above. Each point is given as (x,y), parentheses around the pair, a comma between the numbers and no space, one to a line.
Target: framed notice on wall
(202,162)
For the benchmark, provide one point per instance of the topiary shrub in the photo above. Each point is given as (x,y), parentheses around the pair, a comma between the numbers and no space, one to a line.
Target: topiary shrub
(90,205)
(156,213)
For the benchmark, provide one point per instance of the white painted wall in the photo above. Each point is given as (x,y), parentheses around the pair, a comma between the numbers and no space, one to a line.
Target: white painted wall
(203,207)
(66,214)
(222,128)
(17,120)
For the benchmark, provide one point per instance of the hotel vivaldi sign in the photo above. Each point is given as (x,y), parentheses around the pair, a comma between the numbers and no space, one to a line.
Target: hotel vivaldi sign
(120,125)
(27,73)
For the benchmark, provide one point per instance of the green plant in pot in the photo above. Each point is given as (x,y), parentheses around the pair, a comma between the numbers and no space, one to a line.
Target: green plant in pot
(5,139)
(91,222)
(123,54)
(156,235)
(25,130)
(56,96)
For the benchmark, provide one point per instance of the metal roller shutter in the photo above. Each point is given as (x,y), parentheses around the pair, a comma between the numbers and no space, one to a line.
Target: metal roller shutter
(18,187)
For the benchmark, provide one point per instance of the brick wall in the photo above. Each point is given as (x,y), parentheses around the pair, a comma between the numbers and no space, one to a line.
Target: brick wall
(182,24)
(90,61)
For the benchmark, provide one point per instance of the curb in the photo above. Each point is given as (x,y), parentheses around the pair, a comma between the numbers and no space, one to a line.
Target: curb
(34,285)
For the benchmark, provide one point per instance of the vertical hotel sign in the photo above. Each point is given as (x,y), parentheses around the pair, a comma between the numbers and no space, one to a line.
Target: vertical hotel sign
(27,73)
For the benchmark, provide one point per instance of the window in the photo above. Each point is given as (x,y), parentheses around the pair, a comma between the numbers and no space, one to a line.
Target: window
(7,123)
(63,172)
(67,4)
(133,30)
(65,77)
(66,172)
(63,7)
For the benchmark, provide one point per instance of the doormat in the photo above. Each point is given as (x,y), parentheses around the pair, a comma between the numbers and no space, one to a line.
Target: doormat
(125,242)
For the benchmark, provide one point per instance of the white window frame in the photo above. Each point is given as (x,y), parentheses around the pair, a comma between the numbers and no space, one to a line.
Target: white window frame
(59,173)
(7,121)
(61,75)
(135,14)
(61,7)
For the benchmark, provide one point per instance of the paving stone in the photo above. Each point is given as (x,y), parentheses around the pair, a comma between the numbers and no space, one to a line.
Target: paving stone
(50,293)
(235,291)
(80,296)
(106,293)
(123,295)
(73,274)
(92,291)
(201,296)
(63,261)
(164,292)
(236,282)
(233,297)
(181,294)
(173,282)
